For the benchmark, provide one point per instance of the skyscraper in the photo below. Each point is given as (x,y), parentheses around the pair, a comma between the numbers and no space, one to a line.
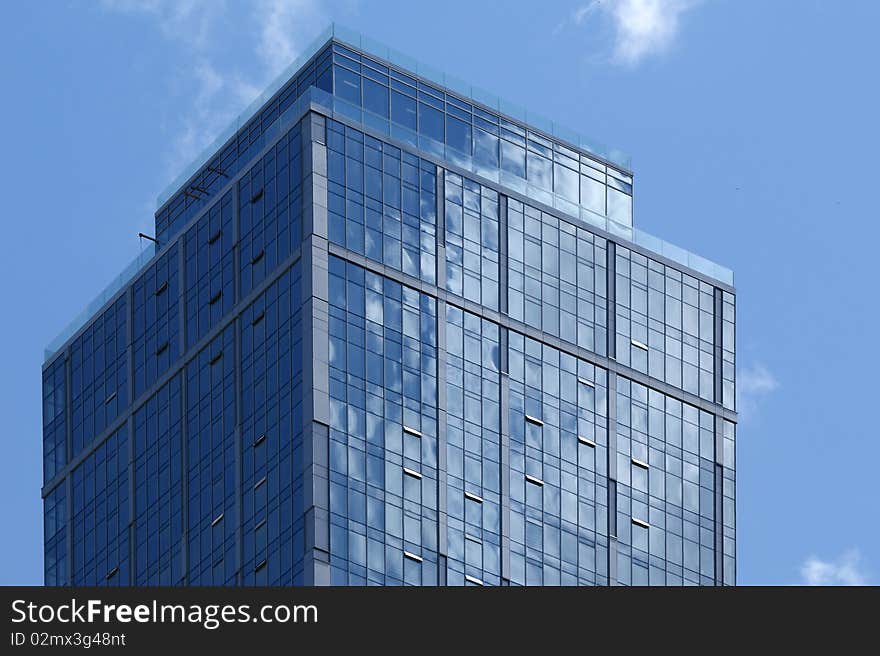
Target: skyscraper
(395,331)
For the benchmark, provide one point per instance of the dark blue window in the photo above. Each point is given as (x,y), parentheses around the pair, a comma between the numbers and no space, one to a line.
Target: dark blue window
(270,211)
(431,122)
(403,110)
(458,134)
(348,85)
(211,477)
(210,284)
(158,502)
(100,515)
(54,424)
(376,97)
(156,324)
(271,435)
(99,373)
(55,537)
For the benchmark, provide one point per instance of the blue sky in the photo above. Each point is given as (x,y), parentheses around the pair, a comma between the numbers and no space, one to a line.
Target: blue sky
(753,131)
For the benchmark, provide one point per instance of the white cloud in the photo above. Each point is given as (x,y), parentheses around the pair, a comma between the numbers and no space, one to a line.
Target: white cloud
(284,24)
(753,382)
(187,20)
(278,30)
(641,27)
(580,14)
(845,570)
(216,100)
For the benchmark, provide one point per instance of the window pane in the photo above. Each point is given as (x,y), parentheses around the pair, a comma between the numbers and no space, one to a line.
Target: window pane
(375,97)
(431,122)
(403,110)
(348,85)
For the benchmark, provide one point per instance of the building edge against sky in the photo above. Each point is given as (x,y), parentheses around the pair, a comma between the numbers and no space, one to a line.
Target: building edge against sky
(497,253)
(514,112)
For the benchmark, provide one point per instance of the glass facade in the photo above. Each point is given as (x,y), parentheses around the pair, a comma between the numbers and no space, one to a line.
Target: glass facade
(390,347)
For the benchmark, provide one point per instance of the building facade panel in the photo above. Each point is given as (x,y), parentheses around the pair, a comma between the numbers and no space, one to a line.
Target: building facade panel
(158,488)
(211,482)
(396,356)
(209,270)
(271,421)
(100,522)
(383,430)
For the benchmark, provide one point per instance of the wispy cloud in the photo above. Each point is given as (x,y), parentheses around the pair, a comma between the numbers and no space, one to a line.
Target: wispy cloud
(753,383)
(218,92)
(186,20)
(284,24)
(847,569)
(579,15)
(216,101)
(641,28)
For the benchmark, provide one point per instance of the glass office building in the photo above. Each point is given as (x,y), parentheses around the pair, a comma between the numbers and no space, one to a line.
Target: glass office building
(396,331)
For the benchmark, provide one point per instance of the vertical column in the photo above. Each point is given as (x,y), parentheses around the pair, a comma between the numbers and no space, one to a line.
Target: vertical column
(440,249)
(718,384)
(718,352)
(68,520)
(611,290)
(504,381)
(236,246)
(129,341)
(440,195)
(441,443)
(236,291)
(611,345)
(68,455)
(184,477)
(502,254)
(316,357)
(132,535)
(504,339)
(181,292)
(612,477)
(239,544)
(184,425)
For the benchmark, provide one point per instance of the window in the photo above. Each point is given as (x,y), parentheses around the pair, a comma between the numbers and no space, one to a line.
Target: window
(348,85)
(472,226)
(558,496)
(556,277)
(383,429)
(99,383)
(382,202)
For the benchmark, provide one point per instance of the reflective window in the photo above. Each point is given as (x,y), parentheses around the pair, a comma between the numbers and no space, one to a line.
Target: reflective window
(558,472)
(728,344)
(728,500)
(383,430)
(382,202)
(665,323)
(473,448)
(224,165)
(557,277)
(665,489)
(472,233)
(479,140)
